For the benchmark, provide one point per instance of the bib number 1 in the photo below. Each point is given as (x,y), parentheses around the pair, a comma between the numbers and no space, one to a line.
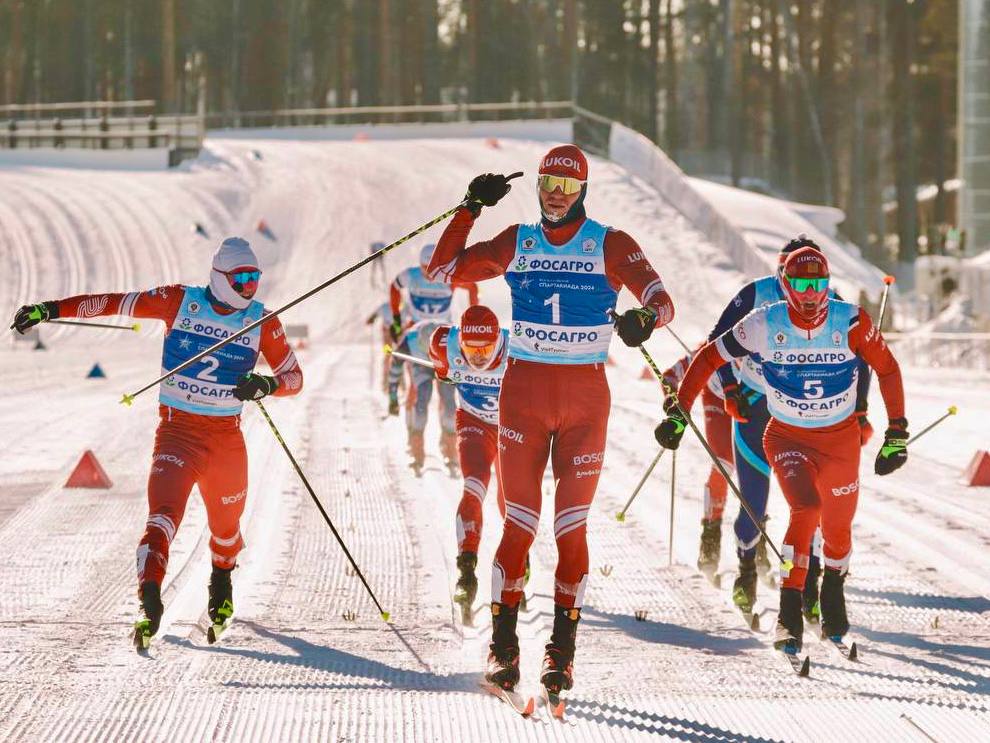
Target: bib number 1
(554,301)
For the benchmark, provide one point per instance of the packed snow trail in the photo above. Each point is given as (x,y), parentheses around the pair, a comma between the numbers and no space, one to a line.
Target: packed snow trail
(307,657)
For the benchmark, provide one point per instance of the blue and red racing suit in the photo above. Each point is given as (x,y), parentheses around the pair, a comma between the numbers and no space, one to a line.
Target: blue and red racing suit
(555,400)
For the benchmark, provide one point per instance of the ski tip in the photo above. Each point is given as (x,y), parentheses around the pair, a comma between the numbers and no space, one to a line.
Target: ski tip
(211,635)
(127,400)
(620,516)
(754,623)
(853,652)
(805,667)
(386,616)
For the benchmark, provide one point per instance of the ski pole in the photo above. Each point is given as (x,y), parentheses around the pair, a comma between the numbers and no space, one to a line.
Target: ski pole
(887,281)
(670,392)
(135,327)
(621,515)
(678,338)
(406,357)
(271,424)
(670,536)
(951,411)
(414,360)
(129,398)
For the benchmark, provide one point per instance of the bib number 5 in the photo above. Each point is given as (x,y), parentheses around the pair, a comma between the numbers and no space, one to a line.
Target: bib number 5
(813,389)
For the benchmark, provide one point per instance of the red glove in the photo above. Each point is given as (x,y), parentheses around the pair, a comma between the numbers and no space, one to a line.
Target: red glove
(865,429)
(736,404)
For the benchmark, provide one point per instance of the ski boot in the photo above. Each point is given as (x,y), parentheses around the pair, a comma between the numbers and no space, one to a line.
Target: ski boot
(810,605)
(763,566)
(467,585)
(744,588)
(221,603)
(711,548)
(835,623)
(558,660)
(503,652)
(418,451)
(150,595)
(790,627)
(448,450)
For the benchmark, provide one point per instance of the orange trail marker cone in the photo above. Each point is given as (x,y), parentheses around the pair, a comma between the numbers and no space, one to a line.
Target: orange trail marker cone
(88,473)
(978,472)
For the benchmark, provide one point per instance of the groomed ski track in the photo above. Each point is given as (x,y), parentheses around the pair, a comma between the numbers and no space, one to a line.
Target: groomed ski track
(308,657)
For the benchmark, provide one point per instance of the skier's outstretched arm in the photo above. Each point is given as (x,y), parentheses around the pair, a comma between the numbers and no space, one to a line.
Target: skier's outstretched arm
(866,341)
(160,303)
(455,262)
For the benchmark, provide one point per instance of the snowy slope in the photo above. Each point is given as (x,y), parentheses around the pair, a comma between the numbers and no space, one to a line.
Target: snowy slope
(297,666)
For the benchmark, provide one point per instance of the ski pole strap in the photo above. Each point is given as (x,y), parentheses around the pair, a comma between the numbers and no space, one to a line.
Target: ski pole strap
(951,411)
(129,398)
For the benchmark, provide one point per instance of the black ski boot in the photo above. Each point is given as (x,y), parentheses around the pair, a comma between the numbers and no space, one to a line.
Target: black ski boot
(835,623)
(558,660)
(810,606)
(150,595)
(467,584)
(711,547)
(744,588)
(763,566)
(503,652)
(790,627)
(221,603)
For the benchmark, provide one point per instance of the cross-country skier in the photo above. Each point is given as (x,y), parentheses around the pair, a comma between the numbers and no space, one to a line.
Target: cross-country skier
(415,341)
(473,356)
(808,346)
(718,434)
(745,401)
(564,274)
(199,439)
(427,300)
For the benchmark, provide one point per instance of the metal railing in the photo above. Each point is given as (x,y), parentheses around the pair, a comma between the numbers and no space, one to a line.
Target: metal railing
(424,113)
(101,125)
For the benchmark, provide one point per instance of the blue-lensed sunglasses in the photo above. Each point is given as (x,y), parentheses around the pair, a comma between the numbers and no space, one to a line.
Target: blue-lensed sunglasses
(244,277)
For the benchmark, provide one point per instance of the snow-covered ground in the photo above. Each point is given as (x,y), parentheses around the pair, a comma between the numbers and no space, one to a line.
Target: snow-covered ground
(309,658)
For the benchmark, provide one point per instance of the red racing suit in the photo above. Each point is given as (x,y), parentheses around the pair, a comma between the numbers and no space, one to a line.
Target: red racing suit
(477,451)
(718,434)
(547,411)
(192,449)
(817,468)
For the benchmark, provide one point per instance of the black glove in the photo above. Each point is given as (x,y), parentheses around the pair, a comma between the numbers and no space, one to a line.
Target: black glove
(487,189)
(254,387)
(736,403)
(893,453)
(393,400)
(671,430)
(31,314)
(636,326)
(395,329)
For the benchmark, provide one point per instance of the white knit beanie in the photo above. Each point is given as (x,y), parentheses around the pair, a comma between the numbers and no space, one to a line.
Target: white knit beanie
(234,252)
